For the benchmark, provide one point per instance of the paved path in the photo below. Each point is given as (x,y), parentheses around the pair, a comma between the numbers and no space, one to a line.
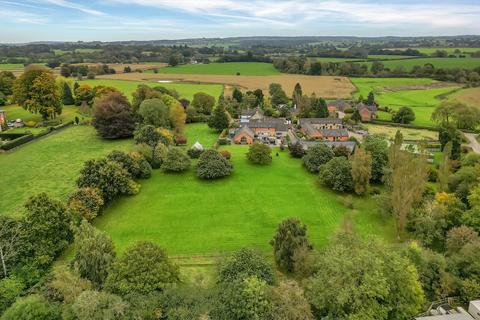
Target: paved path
(473,143)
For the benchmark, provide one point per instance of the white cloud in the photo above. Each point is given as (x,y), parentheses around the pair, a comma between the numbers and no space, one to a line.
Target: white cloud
(75,6)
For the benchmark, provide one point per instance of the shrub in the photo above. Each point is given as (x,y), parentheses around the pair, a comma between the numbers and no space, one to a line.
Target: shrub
(194,153)
(154,112)
(180,140)
(176,161)
(133,162)
(212,165)
(113,116)
(86,202)
(110,177)
(404,115)
(10,289)
(245,263)
(226,154)
(32,307)
(316,156)
(296,150)
(337,174)
(259,153)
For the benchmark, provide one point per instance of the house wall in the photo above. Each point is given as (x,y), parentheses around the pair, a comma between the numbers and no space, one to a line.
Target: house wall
(238,138)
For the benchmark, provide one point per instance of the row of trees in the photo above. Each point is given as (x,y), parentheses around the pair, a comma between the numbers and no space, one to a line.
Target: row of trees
(302,65)
(143,283)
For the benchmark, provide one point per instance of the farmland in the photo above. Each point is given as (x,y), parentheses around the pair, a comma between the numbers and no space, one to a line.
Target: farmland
(469,96)
(324,86)
(50,165)
(189,216)
(408,134)
(230,68)
(408,64)
(186,90)
(422,95)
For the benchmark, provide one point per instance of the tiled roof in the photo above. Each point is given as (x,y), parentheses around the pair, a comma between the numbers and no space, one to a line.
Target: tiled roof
(303,121)
(245,129)
(334,132)
(278,124)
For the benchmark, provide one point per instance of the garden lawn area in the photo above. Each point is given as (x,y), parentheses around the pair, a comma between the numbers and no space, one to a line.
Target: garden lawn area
(193,217)
(202,133)
(227,68)
(186,90)
(50,164)
(388,93)
(14,112)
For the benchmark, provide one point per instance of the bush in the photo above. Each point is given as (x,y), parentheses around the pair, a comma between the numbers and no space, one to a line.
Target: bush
(176,161)
(134,163)
(405,115)
(32,308)
(316,156)
(213,165)
(296,150)
(86,202)
(30,124)
(180,140)
(10,289)
(226,154)
(110,177)
(259,153)
(337,174)
(194,153)
(224,141)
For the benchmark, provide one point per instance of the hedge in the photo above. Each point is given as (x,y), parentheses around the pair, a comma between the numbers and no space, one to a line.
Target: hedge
(29,137)
(403,125)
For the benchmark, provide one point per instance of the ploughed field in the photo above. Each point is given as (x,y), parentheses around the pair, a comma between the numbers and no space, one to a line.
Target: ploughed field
(323,86)
(193,217)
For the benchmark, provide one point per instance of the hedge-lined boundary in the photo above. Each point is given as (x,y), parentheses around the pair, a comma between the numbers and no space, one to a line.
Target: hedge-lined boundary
(30,137)
(403,125)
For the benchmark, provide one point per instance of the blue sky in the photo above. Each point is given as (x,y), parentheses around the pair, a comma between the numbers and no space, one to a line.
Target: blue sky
(112,20)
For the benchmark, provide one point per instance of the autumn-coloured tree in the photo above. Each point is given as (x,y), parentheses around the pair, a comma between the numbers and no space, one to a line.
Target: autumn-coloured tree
(113,116)
(408,180)
(177,118)
(37,92)
(361,171)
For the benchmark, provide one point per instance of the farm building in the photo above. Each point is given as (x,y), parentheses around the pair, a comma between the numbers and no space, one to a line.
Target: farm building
(367,112)
(266,130)
(330,129)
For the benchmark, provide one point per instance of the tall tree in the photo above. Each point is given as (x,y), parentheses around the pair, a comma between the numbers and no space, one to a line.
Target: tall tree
(203,103)
(358,279)
(290,237)
(371,98)
(36,91)
(237,95)
(220,118)
(409,177)
(154,112)
(46,228)
(67,97)
(377,146)
(143,268)
(9,243)
(444,168)
(361,171)
(94,254)
(277,95)
(177,118)
(113,116)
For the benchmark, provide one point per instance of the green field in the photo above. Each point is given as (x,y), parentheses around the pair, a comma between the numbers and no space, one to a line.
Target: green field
(186,90)
(387,57)
(388,93)
(201,133)
(447,63)
(324,60)
(14,112)
(189,216)
(50,164)
(448,49)
(230,68)
(11,66)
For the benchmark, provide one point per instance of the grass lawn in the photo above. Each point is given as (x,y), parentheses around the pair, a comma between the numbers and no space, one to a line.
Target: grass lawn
(50,164)
(408,134)
(388,93)
(202,133)
(14,112)
(186,90)
(189,216)
(11,66)
(230,68)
